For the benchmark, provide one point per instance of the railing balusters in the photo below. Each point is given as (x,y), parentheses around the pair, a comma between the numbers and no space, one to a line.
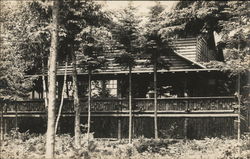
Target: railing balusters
(142,104)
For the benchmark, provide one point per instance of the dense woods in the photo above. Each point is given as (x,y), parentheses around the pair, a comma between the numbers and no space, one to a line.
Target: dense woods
(38,35)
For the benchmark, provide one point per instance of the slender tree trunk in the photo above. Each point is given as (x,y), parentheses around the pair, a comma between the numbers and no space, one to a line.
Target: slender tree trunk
(50,139)
(89,104)
(67,90)
(155,102)
(62,96)
(76,103)
(130,105)
(44,87)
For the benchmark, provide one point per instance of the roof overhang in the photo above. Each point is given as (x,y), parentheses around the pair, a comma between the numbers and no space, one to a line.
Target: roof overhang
(137,72)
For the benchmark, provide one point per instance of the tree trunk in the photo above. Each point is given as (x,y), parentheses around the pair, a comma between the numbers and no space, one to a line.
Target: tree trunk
(62,96)
(89,104)
(50,139)
(76,103)
(155,102)
(44,87)
(130,105)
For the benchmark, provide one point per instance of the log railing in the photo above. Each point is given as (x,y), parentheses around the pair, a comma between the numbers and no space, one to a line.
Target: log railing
(139,104)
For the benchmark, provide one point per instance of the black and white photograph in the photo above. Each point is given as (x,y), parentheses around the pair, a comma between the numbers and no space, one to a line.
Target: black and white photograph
(110,79)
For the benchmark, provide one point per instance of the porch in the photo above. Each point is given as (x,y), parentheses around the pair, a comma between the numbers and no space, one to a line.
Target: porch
(221,106)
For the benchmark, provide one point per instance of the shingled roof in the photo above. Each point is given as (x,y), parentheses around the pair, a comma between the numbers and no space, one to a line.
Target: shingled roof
(189,53)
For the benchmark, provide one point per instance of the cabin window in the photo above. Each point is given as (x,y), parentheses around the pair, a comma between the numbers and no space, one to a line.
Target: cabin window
(35,95)
(96,88)
(104,88)
(112,87)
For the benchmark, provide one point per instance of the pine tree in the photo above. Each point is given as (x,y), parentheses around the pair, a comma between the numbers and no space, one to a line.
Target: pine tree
(127,34)
(85,27)
(156,47)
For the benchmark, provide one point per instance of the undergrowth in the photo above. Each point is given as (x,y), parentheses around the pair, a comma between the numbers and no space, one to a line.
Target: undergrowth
(32,146)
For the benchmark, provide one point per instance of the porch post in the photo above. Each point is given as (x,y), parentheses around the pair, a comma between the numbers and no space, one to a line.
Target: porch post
(119,135)
(2,135)
(187,107)
(155,102)
(119,129)
(89,104)
(16,122)
(185,128)
(239,101)
(5,120)
(130,106)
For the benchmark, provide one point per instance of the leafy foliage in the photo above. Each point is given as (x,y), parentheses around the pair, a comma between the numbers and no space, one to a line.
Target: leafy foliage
(154,44)
(229,19)
(235,37)
(25,145)
(192,18)
(127,33)
(15,56)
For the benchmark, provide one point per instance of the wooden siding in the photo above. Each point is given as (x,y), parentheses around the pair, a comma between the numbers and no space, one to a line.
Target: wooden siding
(197,128)
(203,52)
(195,49)
(186,47)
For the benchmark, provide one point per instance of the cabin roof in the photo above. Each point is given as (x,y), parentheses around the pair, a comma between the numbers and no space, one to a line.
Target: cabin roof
(189,53)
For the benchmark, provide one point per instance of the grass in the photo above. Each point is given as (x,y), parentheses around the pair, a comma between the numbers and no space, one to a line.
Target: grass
(31,146)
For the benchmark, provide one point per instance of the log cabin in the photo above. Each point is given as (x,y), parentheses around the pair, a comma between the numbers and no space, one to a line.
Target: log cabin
(193,101)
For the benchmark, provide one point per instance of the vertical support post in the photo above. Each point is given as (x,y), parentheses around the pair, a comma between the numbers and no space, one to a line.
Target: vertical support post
(187,107)
(89,105)
(5,121)
(16,115)
(185,128)
(33,94)
(130,106)
(2,135)
(239,101)
(133,127)
(155,102)
(119,135)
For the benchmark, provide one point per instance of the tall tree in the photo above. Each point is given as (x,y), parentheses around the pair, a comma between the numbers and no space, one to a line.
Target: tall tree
(50,139)
(156,47)
(84,24)
(71,23)
(94,44)
(127,34)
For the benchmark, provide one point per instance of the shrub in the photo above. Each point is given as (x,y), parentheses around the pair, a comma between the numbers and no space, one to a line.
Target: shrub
(152,145)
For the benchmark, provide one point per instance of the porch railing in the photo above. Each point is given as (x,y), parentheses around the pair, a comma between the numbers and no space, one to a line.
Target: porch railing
(139,104)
